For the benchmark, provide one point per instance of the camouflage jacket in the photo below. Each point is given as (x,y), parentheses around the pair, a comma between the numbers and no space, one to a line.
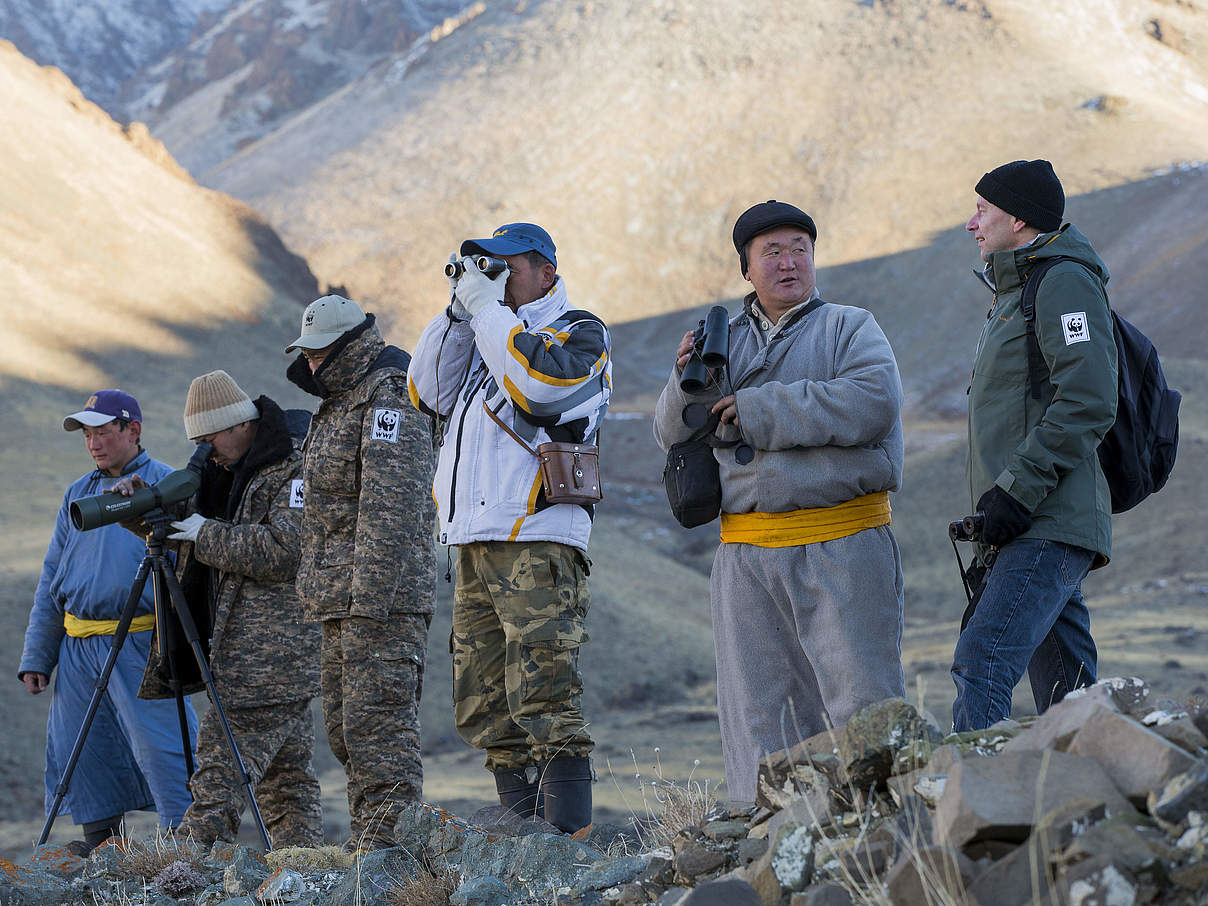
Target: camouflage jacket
(367,545)
(262,650)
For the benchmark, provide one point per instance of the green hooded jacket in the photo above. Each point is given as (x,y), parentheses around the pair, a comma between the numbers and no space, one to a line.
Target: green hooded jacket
(1043,452)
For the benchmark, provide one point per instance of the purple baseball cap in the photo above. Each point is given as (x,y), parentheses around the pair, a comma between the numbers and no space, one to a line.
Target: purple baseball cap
(514,239)
(103,407)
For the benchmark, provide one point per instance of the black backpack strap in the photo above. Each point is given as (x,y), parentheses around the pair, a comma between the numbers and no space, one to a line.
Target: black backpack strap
(1037,370)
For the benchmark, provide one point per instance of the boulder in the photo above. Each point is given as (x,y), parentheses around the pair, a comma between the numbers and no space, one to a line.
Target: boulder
(929,875)
(996,798)
(1183,732)
(609,873)
(58,859)
(822,895)
(538,861)
(1058,725)
(726,892)
(1018,879)
(375,875)
(1119,841)
(1136,758)
(1100,881)
(875,734)
(693,859)
(282,886)
(24,885)
(787,866)
(781,781)
(244,873)
(482,891)
(1181,795)
(1129,694)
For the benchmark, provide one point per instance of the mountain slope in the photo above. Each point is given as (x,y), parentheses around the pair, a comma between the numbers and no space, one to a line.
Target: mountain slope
(636,132)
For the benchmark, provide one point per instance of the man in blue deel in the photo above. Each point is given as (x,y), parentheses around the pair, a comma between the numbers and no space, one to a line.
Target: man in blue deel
(133,756)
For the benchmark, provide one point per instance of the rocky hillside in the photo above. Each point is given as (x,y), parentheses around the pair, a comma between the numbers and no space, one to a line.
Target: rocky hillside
(636,131)
(118,271)
(101,43)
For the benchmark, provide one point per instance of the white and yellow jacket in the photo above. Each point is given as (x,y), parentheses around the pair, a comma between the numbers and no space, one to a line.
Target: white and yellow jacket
(545,371)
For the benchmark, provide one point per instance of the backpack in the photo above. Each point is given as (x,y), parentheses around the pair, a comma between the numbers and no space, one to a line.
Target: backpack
(1137,453)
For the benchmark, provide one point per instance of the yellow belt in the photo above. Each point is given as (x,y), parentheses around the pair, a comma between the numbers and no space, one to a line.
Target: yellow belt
(806,526)
(82,629)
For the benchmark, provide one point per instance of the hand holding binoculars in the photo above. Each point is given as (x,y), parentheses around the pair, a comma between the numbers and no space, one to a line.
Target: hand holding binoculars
(492,267)
(968,528)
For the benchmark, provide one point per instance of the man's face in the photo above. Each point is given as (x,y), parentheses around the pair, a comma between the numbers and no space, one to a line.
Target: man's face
(526,282)
(230,443)
(780,266)
(994,229)
(110,446)
(316,357)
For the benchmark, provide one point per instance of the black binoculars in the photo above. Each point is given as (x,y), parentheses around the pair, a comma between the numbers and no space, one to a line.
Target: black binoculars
(967,529)
(492,267)
(710,349)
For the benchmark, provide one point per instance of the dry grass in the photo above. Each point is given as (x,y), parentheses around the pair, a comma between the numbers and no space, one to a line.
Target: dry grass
(431,886)
(305,858)
(668,805)
(146,859)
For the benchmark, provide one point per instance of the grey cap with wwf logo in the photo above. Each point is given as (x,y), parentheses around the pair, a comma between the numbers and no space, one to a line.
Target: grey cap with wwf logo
(325,321)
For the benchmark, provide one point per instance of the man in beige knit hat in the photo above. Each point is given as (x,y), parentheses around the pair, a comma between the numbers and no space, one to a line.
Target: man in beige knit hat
(239,553)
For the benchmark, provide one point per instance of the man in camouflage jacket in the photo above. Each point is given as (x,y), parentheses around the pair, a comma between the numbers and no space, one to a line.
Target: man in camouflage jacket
(239,545)
(368,559)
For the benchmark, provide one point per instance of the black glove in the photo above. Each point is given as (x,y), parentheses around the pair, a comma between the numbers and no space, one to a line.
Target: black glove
(1006,518)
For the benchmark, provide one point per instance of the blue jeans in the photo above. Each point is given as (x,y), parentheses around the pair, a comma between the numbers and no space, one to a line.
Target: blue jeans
(1031,616)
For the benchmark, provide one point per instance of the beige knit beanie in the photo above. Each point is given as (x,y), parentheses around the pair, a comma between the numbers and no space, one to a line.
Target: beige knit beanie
(215,402)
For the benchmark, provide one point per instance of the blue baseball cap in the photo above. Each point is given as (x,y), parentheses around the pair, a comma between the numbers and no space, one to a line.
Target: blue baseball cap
(102,408)
(513,239)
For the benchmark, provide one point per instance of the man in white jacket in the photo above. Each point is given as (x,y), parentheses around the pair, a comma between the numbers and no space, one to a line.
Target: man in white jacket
(509,354)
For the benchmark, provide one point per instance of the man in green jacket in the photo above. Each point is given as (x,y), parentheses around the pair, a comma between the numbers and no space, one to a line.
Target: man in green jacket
(1033,469)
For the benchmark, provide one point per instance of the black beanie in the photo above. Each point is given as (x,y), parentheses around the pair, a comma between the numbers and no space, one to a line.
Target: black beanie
(1027,189)
(763,217)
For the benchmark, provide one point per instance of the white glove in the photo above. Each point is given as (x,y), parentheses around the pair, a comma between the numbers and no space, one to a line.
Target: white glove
(476,290)
(187,529)
(456,309)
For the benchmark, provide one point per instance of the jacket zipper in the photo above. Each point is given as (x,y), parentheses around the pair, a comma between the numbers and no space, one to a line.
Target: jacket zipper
(461,424)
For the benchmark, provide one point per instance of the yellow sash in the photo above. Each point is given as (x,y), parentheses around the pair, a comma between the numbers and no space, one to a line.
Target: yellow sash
(806,526)
(82,629)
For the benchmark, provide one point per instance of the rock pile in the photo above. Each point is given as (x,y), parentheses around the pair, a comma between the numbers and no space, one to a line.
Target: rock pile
(1102,801)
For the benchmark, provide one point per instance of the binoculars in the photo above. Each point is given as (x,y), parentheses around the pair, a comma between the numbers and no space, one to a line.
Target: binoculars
(105,509)
(967,529)
(710,349)
(492,267)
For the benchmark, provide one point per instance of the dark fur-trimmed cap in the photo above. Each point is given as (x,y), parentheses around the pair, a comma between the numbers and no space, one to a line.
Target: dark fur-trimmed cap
(764,217)
(1027,189)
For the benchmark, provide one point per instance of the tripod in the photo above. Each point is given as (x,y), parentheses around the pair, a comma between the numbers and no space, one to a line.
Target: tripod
(156,565)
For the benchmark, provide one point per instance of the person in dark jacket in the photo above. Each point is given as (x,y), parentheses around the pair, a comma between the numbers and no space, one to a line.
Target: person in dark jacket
(239,540)
(133,757)
(368,567)
(1033,471)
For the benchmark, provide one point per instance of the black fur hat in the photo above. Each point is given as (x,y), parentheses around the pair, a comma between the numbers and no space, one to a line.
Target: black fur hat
(1027,189)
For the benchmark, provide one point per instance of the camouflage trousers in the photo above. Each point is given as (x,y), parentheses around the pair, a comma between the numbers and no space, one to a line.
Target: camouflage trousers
(276,743)
(372,677)
(518,621)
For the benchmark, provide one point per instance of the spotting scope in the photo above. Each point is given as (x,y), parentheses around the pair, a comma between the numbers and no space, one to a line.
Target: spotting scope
(105,509)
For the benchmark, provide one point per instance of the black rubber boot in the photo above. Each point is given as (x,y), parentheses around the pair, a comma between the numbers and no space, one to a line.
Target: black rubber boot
(97,832)
(566,792)
(519,791)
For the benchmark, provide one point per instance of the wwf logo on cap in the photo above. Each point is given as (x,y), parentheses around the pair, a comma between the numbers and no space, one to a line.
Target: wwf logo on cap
(309,319)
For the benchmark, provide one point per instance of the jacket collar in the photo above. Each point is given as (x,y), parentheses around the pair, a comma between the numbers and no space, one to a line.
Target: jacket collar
(545,310)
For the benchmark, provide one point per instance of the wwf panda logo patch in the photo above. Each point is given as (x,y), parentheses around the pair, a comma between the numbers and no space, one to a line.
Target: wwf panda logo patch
(1075,328)
(385,425)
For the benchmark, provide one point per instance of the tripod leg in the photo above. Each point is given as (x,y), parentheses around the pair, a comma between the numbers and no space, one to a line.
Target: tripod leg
(177,596)
(98,692)
(167,644)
